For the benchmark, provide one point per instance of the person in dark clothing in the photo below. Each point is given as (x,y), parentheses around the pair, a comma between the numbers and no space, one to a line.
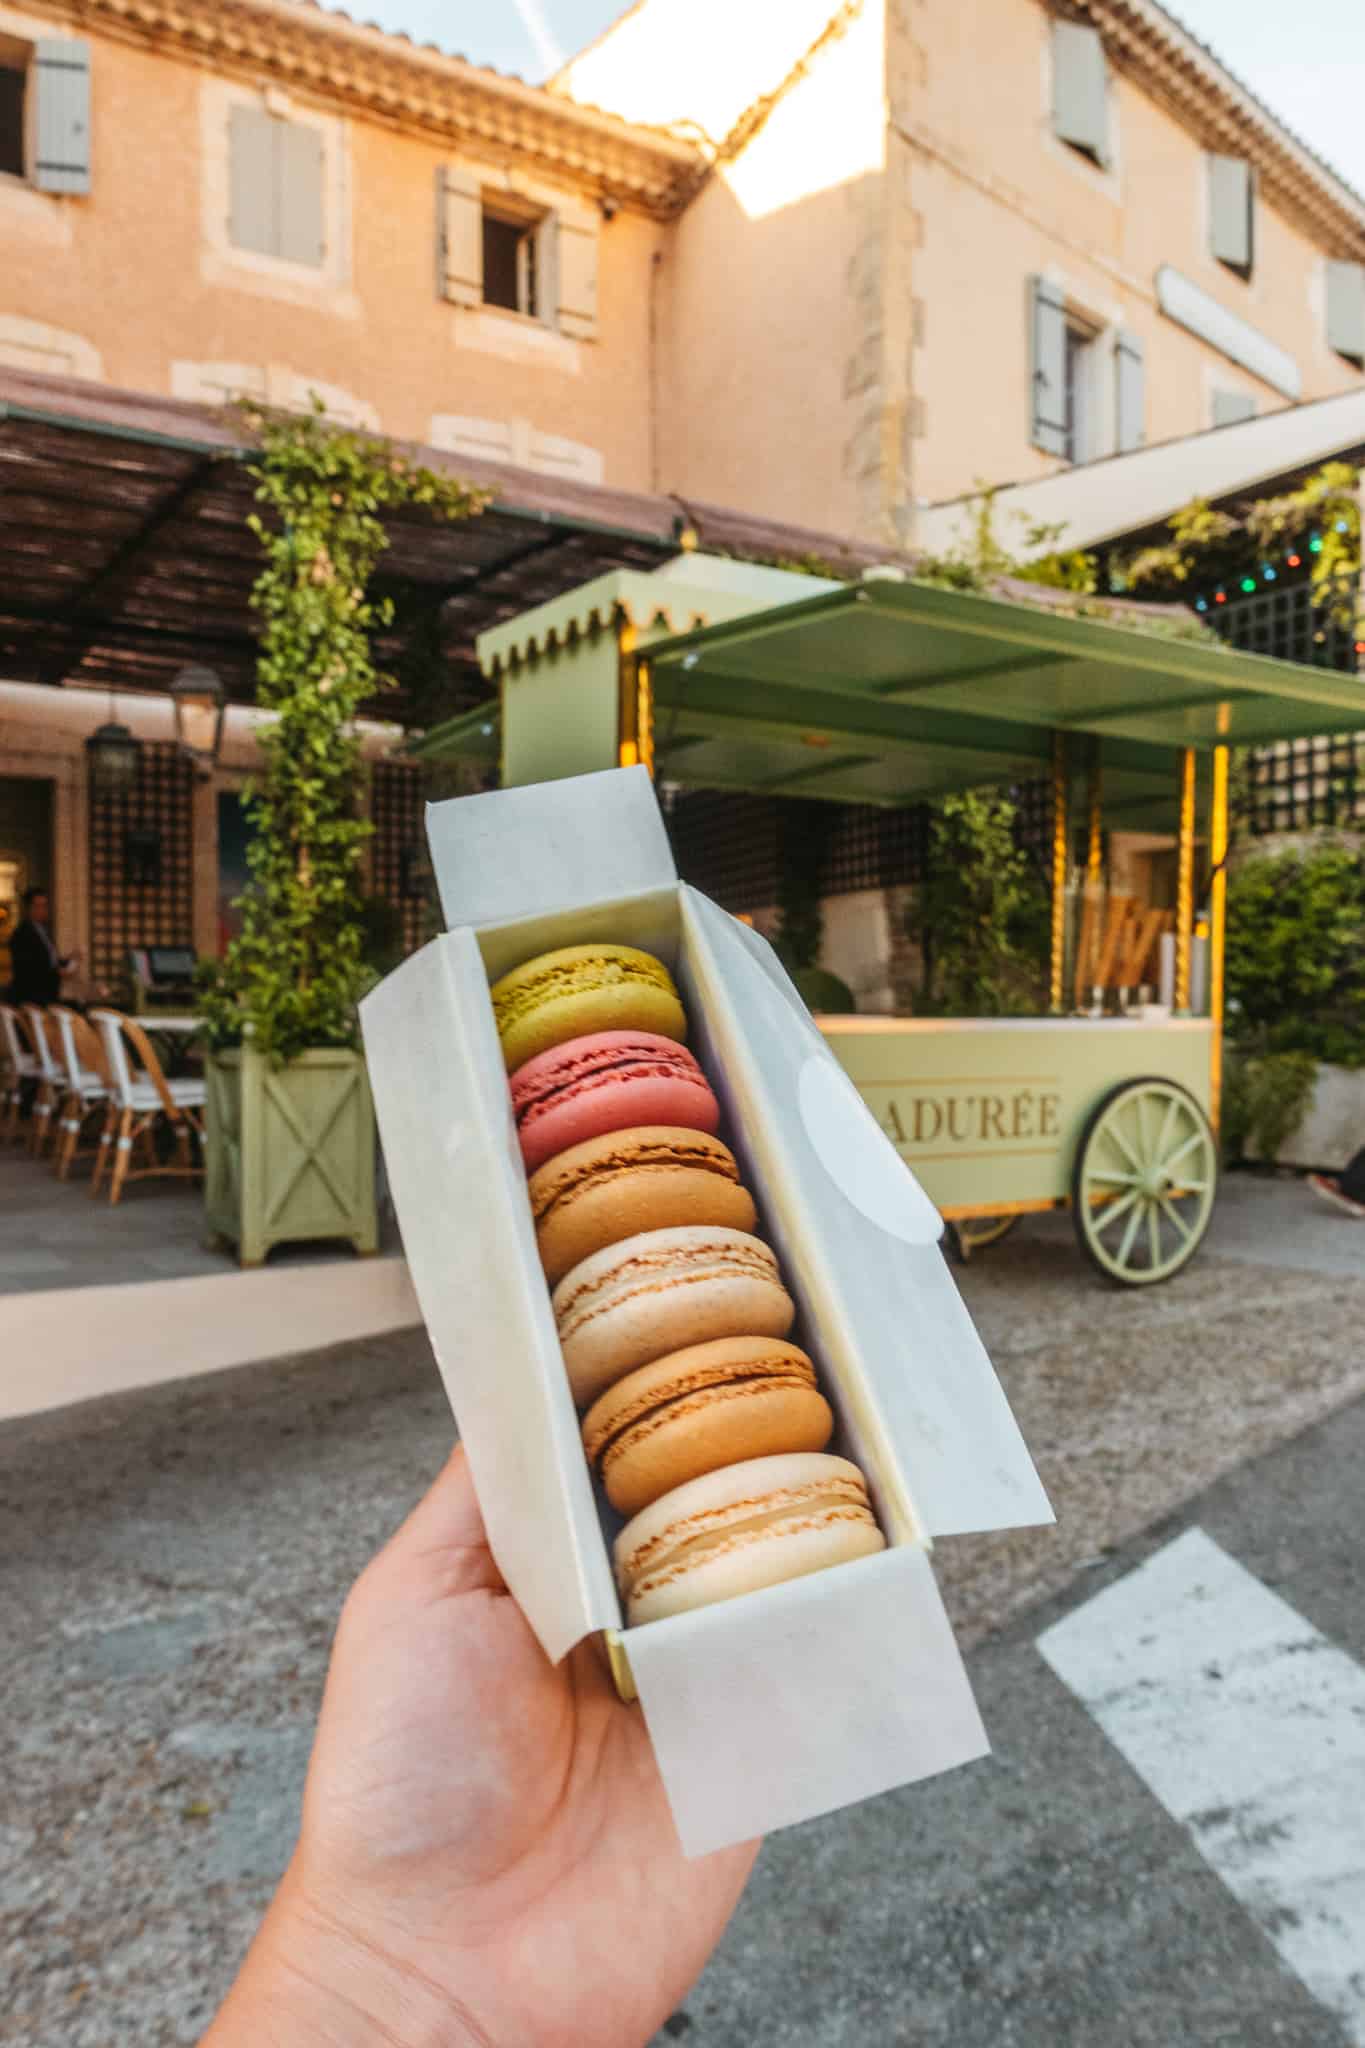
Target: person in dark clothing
(36,966)
(1344,1190)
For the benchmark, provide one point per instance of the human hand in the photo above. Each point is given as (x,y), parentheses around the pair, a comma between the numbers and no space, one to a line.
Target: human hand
(486,1855)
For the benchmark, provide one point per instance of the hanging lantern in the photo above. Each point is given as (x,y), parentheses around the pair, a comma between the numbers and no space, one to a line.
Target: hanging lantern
(113,753)
(200,702)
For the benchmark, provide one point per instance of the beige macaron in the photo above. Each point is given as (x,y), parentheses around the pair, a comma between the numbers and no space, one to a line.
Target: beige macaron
(743,1528)
(662,1291)
(710,1405)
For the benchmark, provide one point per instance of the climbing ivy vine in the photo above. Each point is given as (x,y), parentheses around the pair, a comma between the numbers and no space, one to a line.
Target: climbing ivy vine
(292,978)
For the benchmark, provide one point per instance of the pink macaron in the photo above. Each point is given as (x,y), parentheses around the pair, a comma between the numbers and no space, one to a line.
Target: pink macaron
(608,1081)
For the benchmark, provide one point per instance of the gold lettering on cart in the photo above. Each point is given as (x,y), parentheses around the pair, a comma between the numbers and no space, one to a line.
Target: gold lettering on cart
(1012,1116)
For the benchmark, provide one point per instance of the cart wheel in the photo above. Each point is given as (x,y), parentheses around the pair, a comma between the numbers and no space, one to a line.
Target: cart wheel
(970,1234)
(1143,1184)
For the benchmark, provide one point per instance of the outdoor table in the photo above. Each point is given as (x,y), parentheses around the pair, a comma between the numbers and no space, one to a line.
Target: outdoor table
(177,1030)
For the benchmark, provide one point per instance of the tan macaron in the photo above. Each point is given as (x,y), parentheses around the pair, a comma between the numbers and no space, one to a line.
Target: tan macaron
(743,1528)
(696,1410)
(654,1177)
(663,1291)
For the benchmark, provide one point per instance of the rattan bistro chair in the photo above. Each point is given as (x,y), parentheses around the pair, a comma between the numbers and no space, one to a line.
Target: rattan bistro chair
(21,1066)
(87,1084)
(52,1086)
(140,1096)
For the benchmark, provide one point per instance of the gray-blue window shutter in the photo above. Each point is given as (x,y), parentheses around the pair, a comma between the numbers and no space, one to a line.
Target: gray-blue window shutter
(1346,311)
(1131,395)
(1230,408)
(1080,89)
(1047,423)
(299,197)
(1231,212)
(251,180)
(61,67)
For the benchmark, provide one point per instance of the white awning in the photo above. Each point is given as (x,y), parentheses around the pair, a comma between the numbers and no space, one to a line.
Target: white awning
(1097,502)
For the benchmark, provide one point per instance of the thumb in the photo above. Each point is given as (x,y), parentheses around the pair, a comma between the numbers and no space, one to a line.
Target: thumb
(441,1545)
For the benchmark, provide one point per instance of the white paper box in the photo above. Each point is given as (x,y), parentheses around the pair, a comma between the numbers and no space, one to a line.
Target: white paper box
(790,1702)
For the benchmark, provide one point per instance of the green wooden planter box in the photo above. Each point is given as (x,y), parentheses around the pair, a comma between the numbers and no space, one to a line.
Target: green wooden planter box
(289,1151)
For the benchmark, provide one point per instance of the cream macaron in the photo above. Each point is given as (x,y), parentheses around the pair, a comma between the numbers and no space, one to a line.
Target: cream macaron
(742,1528)
(659,1292)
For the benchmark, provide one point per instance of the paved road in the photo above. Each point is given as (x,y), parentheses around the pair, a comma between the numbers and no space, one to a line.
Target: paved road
(173,1563)
(1046,1896)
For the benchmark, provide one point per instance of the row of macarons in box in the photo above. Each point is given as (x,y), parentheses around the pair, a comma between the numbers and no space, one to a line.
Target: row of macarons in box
(706,1426)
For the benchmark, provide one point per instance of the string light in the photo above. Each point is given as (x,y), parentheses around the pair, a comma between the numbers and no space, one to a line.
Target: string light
(1248,583)
(1295,561)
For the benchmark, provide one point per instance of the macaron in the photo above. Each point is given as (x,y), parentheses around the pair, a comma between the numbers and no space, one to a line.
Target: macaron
(695,1410)
(629,1181)
(608,1081)
(581,989)
(742,1528)
(662,1291)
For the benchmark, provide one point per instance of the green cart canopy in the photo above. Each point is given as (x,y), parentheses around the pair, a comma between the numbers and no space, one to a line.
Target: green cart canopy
(888,692)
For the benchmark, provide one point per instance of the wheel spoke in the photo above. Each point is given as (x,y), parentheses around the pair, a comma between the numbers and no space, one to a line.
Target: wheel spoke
(1185,1229)
(1126,1180)
(1153,1236)
(1195,1138)
(1111,1131)
(1117,1209)
(1130,1233)
(1172,1105)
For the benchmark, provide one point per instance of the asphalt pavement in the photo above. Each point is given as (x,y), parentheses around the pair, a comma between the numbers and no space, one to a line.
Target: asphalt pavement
(173,1563)
(1046,1895)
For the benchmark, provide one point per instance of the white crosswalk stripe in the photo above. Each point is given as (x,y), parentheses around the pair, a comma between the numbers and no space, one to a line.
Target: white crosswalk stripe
(1249,1726)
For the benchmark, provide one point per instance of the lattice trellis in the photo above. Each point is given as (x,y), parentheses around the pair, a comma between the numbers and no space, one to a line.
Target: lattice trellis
(730,845)
(398,845)
(1298,784)
(1287,623)
(726,845)
(142,862)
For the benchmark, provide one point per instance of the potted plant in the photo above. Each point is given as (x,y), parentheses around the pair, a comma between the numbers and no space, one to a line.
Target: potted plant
(289,1146)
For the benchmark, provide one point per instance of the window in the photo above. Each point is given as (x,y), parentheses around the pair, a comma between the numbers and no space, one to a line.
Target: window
(1232,213)
(511,264)
(1080,91)
(1231,407)
(1077,401)
(45,112)
(521,248)
(276,206)
(1063,381)
(13,96)
(1130,392)
(1346,311)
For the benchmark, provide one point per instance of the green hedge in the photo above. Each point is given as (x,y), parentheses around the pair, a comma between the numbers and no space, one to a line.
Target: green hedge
(1296,955)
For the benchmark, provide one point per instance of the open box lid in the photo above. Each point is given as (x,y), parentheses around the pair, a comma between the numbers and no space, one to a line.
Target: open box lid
(548,847)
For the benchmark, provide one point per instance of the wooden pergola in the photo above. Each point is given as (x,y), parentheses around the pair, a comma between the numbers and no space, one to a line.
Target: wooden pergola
(125,553)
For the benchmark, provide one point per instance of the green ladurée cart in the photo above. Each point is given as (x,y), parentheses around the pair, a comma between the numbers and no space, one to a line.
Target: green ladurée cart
(722,675)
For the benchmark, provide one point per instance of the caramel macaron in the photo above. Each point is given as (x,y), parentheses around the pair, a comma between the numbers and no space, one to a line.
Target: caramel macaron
(711,1405)
(743,1528)
(655,1177)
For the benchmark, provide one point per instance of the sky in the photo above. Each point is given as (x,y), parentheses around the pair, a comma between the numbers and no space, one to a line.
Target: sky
(1305,60)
